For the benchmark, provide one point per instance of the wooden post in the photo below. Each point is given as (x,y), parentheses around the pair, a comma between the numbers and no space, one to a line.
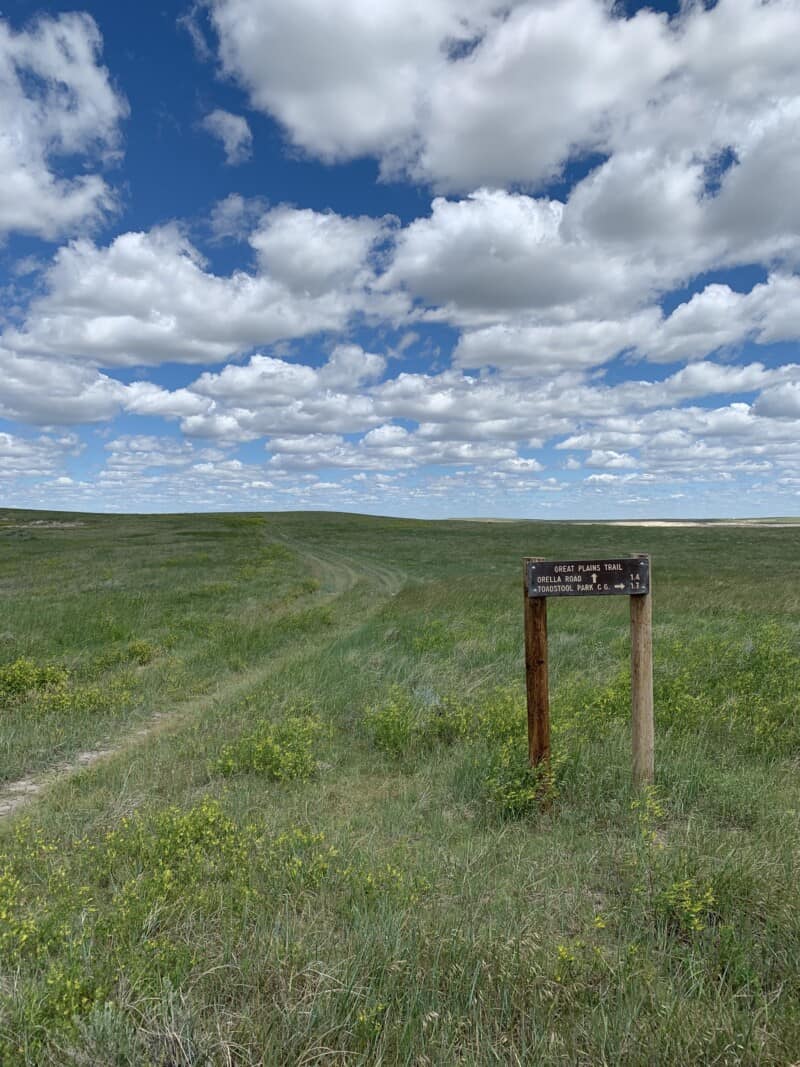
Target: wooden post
(642,685)
(536,673)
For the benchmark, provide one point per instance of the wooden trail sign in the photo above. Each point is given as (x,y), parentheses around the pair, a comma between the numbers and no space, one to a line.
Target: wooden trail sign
(628,576)
(580,577)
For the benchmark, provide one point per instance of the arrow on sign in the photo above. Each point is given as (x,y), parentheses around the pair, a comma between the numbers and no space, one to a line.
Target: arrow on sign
(620,586)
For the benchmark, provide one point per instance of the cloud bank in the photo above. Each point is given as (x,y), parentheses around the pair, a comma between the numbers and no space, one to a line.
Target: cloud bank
(594,304)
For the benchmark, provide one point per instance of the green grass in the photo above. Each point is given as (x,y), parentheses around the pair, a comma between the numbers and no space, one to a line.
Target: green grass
(327,847)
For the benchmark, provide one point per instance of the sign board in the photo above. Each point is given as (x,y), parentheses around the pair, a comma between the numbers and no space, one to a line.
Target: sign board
(586,577)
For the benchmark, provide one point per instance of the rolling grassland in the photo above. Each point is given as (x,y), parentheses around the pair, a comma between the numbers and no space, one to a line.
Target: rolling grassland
(267,801)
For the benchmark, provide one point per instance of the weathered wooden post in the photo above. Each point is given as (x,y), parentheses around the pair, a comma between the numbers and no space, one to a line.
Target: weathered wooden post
(642,728)
(536,681)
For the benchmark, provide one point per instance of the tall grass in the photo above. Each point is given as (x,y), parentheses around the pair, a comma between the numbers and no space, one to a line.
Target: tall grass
(332,849)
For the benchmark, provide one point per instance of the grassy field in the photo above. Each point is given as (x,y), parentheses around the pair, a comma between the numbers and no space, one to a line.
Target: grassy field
(314,838)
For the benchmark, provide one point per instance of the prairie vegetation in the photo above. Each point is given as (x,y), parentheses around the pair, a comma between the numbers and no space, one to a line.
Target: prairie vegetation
(315,838)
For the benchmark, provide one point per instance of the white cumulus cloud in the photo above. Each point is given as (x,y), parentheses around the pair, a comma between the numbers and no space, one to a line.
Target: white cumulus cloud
(56,104)
(234,133)
(148,297)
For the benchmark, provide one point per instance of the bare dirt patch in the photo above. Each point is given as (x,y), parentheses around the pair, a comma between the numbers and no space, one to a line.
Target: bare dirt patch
(40,524)
(739,523)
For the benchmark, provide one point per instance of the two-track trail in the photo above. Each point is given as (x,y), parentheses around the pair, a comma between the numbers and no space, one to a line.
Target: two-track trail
(337,572)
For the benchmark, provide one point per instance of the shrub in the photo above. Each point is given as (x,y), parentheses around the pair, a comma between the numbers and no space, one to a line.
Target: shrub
(300,858)
(399,726)
(142,652)
(394,726)
(51,690)
(17,929)
(281,752)
(66,700)
(501,716)
(515,788)
(25,676)
(449,721)
(686,905)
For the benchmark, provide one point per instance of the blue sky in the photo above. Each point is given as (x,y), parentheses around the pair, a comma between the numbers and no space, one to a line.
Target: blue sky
(411,257)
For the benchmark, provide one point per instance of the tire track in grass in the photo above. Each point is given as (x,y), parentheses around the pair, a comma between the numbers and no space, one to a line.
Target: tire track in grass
(15,795)
(338,576)
(337,573)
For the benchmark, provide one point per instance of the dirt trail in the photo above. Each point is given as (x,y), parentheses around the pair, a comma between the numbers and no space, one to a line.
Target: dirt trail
(14,795)
(337,574)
